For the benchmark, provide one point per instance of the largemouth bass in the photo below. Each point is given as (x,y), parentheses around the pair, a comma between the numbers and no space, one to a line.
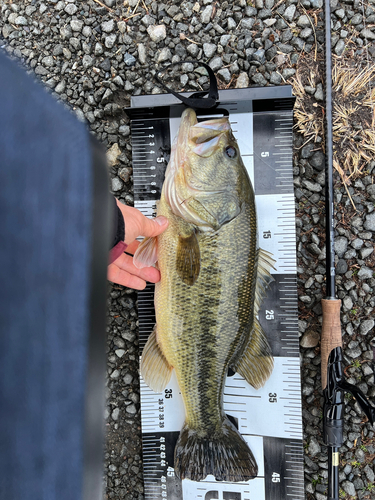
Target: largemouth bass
(213,277)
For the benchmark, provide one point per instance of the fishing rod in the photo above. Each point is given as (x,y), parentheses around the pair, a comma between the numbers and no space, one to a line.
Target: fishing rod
(333,383)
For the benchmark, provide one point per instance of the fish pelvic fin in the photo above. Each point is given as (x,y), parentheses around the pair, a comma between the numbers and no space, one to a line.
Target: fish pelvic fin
(255,364)
(155,369)
(223,454)
(146,254)
(188,259)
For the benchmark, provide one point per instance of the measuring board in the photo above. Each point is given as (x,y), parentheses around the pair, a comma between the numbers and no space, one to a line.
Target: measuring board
(270,418)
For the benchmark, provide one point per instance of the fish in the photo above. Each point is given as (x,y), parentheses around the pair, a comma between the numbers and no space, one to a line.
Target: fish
(213,280)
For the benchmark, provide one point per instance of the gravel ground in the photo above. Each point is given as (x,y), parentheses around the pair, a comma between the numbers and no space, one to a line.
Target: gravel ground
(93,56)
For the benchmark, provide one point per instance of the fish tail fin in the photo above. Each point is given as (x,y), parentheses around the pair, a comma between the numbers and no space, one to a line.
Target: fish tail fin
(223,454)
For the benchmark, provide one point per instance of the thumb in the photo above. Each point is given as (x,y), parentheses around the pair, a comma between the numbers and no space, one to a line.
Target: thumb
(153,227)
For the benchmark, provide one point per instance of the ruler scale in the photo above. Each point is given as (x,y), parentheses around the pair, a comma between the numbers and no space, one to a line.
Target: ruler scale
(270,419)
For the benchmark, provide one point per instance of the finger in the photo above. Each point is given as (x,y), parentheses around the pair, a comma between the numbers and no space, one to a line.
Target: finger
(121,277)
(153,227)
(125,262)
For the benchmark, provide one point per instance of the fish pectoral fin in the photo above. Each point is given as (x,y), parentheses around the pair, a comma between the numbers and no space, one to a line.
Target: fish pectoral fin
(146,254)
(188,258)
(215,208)
(155,369)
(255,364)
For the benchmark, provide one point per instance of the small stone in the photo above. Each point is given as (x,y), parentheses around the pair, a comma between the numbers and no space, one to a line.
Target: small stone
(113,154)
(341,266)
(319,95)
(316,4)
(48,61)
(310,339)
(314,447)
(164,55)
(357,243)
(289,13)
(259,56)
(157,33)
(347,304)
(131,409)
(76,25)
(142,56)
(110,40)
(370,222)
(128,378)
(366,326)
(339,47)
(75,43)
(21,21)
(368,34)
(193,49)
(115,374)
(312,186)
(348,487)
(124,174)
(275,78)
(224,40)
(216,63)
(87,61)
(206,14)
(129,60)
(108,26)
(317,160)
(306,151)
(365,252)
(224,74)
(60,87)
(365,273)
(288,72)
(304,22)
(71,9)
(305,33)
(231,24)
(115,414)
(259,79)
(242,81)
(98,50)
(341,245)
(209,49)
(119,353)
(116,184)
(124,130)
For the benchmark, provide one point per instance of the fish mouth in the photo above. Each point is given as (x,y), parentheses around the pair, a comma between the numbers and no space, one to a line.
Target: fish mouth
(205,136)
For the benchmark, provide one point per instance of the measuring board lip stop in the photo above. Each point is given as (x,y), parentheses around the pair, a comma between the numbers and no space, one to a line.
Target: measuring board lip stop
(279,452)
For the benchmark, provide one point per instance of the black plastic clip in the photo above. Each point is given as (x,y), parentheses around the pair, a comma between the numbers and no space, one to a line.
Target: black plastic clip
(196,100)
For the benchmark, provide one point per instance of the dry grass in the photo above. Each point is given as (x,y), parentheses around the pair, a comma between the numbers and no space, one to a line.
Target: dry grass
(353,114)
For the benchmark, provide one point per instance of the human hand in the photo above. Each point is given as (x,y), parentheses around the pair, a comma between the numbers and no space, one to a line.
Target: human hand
(122,271)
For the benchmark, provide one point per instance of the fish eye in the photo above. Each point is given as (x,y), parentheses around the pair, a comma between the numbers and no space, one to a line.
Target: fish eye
(231,152)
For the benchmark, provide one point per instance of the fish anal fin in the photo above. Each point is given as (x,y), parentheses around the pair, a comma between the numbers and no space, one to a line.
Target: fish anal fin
(146,254)
(255,364)
(155,369)
(188,259)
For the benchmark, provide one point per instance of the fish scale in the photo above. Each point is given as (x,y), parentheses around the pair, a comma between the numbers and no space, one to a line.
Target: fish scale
(270,418)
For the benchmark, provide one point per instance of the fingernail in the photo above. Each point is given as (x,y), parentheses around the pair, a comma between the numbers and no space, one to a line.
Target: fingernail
(161,220)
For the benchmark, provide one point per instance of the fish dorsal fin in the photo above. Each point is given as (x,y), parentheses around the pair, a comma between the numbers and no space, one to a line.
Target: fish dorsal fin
(155,369)
(264,277)
(188,259)
(255,364)
(146,254)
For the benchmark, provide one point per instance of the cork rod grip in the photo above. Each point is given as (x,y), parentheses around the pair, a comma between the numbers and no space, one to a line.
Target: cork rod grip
(331,333)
